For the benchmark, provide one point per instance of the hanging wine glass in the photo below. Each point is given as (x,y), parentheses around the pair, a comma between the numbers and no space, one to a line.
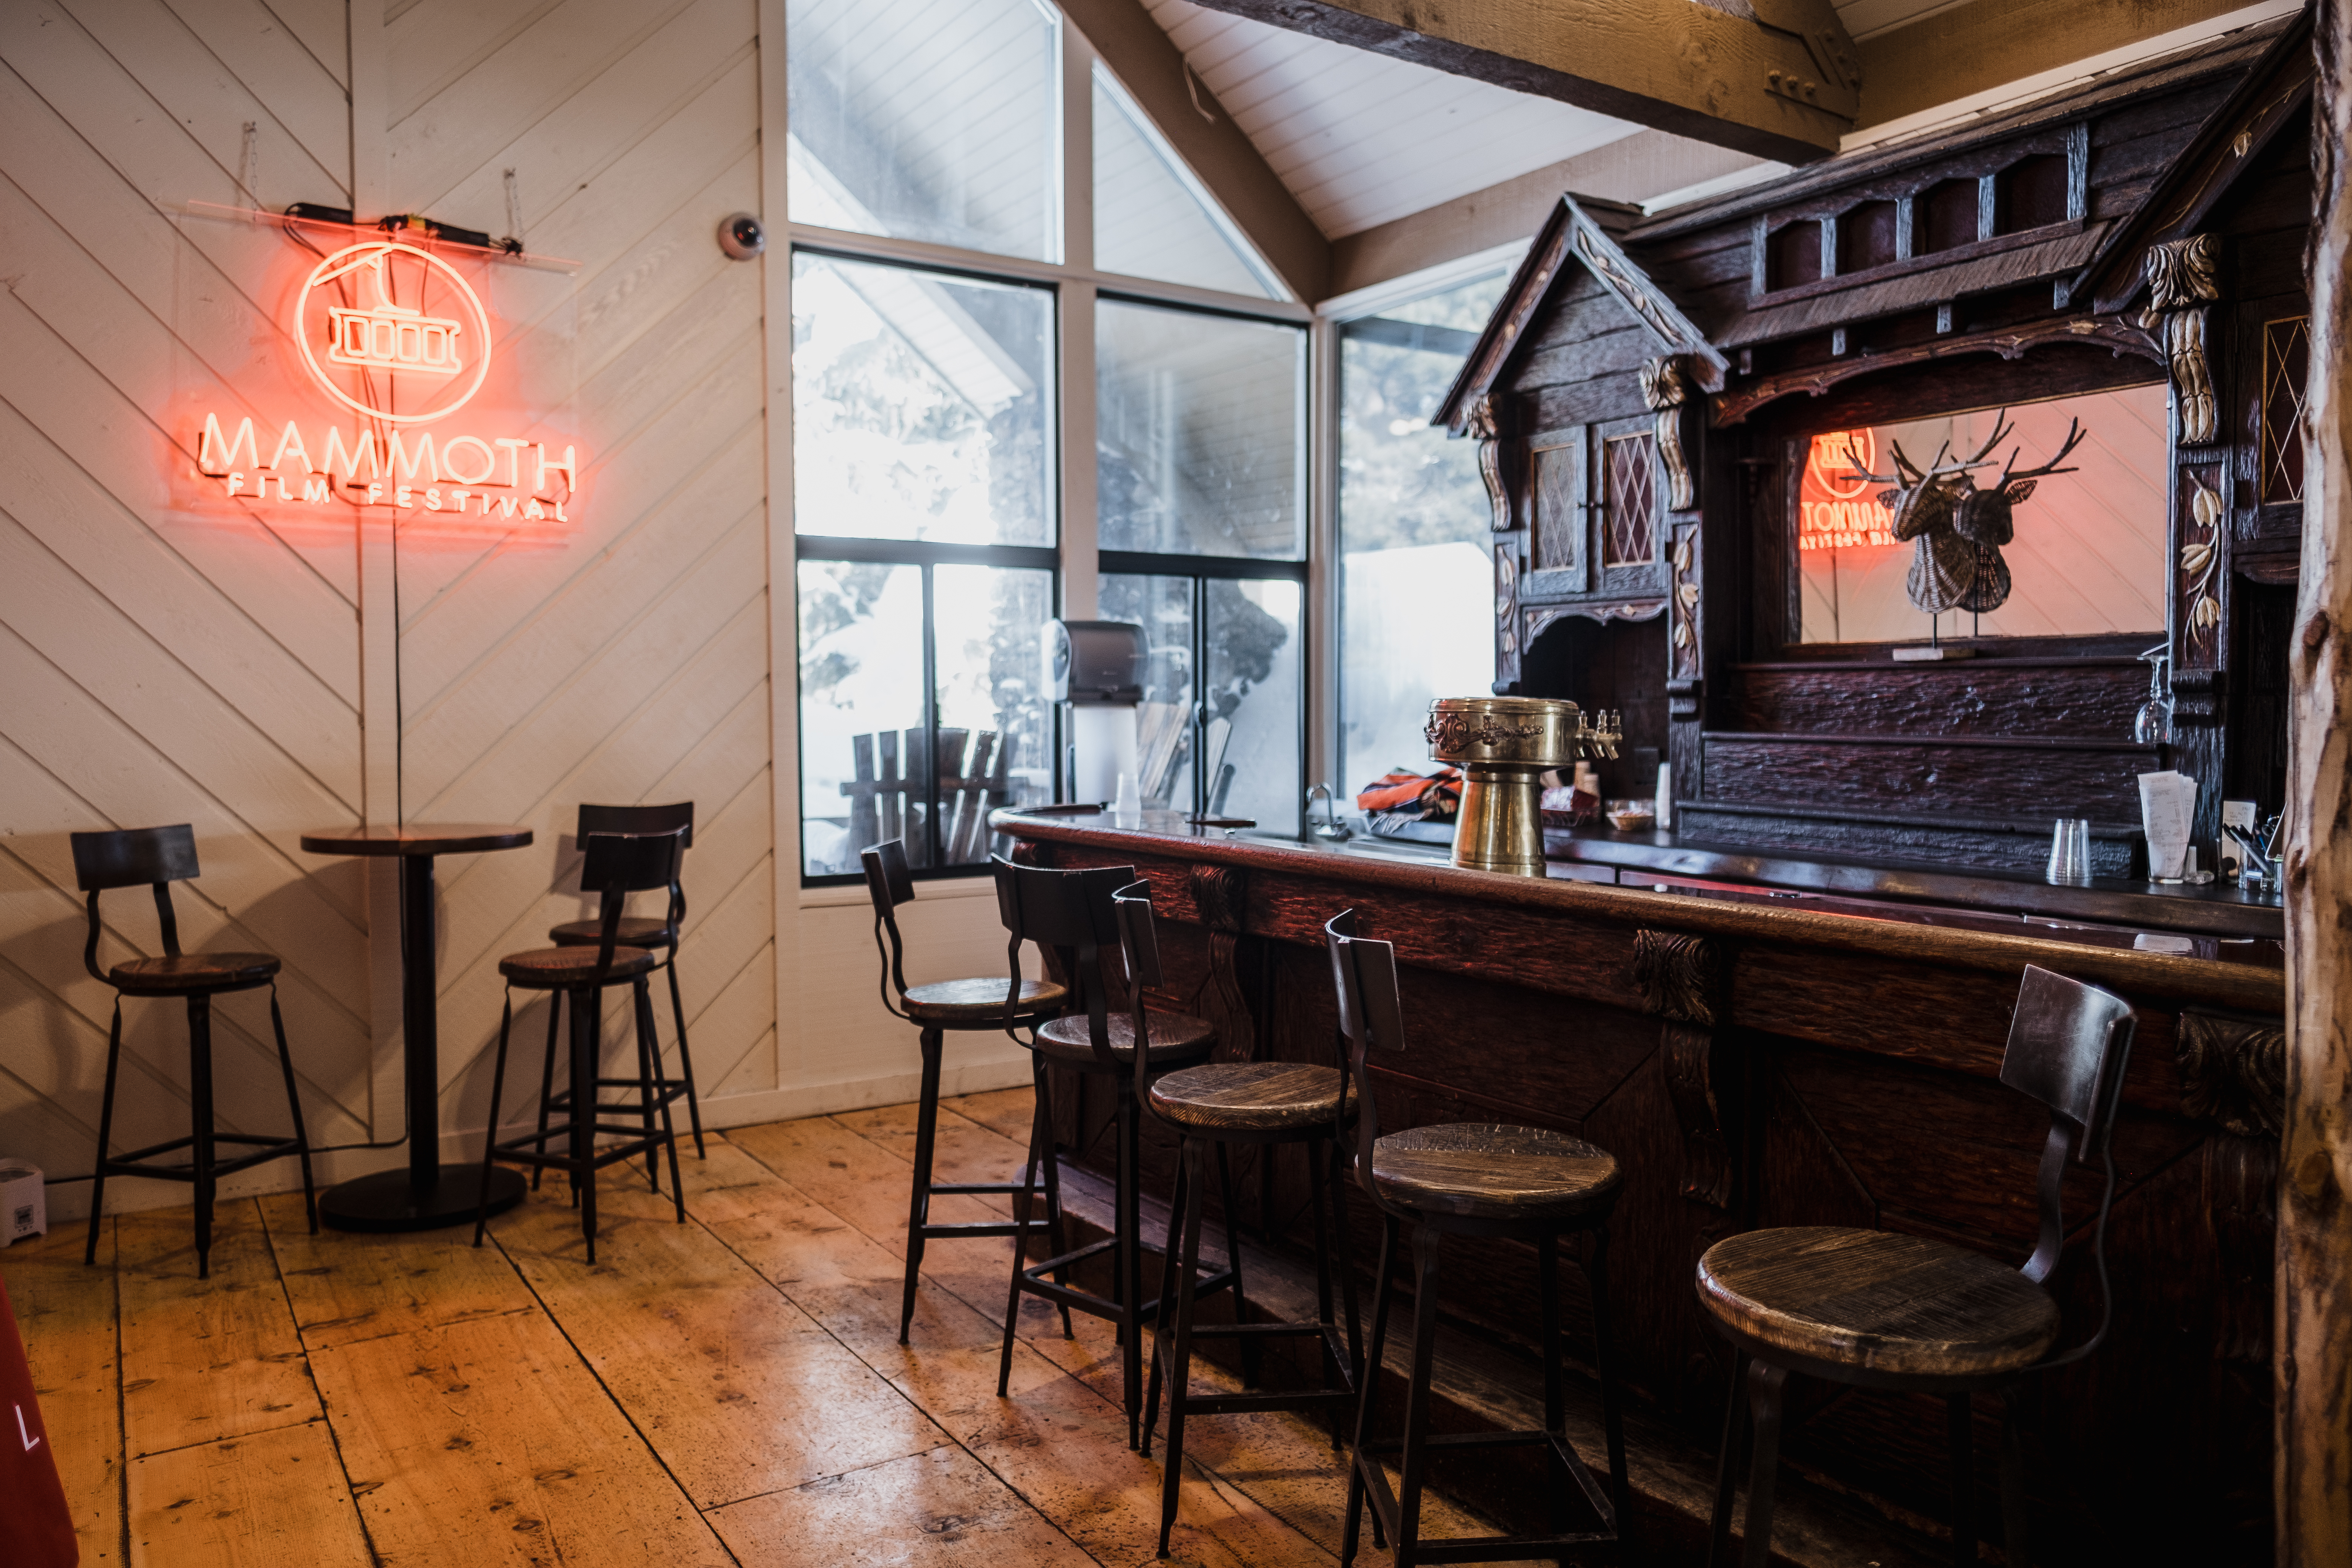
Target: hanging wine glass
(2152,725)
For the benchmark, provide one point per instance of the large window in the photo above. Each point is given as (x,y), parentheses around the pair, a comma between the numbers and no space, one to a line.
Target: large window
(922,478)
(1416,591)
(933,288)
(1200,421)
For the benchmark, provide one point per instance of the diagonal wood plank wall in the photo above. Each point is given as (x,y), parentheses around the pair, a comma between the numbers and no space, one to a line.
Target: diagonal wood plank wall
(223,674)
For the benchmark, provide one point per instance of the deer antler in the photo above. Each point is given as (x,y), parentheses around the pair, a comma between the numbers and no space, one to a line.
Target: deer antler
(2074,434)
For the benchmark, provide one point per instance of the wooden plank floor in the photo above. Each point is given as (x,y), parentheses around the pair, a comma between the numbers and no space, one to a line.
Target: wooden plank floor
(731,1390)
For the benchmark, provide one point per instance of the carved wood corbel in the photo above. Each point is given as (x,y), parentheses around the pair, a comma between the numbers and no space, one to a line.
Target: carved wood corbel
(2183,280)
(2233,1076)
(1681,978)
(1487,423)
(1666,390)
(1220,894)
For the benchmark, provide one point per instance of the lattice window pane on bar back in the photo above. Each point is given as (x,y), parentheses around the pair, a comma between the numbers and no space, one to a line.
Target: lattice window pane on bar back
(1632,502)
(2287,371)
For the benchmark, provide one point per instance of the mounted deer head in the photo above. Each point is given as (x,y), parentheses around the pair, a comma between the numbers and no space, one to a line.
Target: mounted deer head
(1955,529)
(1988,517)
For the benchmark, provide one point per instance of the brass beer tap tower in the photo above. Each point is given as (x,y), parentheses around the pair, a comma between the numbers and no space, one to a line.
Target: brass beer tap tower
(1504,746)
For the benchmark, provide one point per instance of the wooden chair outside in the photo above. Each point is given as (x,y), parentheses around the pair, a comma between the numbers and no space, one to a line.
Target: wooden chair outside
(155,857)
(1883,1309)
(890,798)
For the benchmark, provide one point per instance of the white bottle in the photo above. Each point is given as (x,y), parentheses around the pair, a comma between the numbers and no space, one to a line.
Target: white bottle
(1666,796)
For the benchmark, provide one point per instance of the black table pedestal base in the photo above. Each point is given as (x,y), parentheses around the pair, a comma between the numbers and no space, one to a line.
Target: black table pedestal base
(391,1201)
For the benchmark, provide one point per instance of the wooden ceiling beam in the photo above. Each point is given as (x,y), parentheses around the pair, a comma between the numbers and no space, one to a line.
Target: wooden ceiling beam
(1783,83)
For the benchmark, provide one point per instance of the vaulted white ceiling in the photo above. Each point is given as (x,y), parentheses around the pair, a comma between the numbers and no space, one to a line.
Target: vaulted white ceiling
(1361,139)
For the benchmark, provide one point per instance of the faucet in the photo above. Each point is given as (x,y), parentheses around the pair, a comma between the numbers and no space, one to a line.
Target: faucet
(1330,827)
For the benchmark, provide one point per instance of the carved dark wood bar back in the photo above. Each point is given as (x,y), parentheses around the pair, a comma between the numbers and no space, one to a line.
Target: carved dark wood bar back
(1751,1066)
(2126,254)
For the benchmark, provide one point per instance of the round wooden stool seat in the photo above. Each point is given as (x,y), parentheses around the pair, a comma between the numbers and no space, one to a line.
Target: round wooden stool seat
(1250,1097)
(173,975)
(1877,1299)
(977,1003)
(1175,1036)
(554,968)
(1481,1171)
(634,930)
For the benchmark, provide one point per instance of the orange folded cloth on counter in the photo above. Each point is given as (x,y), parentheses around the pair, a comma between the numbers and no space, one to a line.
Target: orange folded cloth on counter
(1426,795)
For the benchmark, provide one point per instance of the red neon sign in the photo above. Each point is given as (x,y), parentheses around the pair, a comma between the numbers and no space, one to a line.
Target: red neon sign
(1837,506)
(398,337)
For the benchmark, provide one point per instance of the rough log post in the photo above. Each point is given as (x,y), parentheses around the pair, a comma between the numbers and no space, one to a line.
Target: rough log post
(2314,1337)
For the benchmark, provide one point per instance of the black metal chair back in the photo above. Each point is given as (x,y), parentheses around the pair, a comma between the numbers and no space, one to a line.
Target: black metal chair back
(619,864)
(889,884)
(1072,915)
(1139,946)
(641,821)
(2068,1045)
(1372,1016)
(131,857)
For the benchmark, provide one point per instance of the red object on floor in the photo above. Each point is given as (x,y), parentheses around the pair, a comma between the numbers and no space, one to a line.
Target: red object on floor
(36,1527)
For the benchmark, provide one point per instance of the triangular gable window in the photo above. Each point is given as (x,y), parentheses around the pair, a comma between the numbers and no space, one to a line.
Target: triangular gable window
(1151,217)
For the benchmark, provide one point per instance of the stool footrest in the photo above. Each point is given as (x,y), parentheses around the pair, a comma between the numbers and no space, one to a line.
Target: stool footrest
(980,1228)
(1241,1404)
(140,1163)
(1486,1548)
(1254,1330)
(975,1189)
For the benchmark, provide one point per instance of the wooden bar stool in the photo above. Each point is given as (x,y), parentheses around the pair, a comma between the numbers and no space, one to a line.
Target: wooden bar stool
(1528,1183)
(1209,1107)
(1882,1309)
(616,863)
(659,937)
(935,1008)
(1071,915)
(157,858)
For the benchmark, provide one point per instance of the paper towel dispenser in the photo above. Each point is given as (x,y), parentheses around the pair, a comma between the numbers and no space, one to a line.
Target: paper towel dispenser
(1091,662)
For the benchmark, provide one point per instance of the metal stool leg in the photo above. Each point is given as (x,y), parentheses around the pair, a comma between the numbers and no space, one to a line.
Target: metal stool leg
(1555,1384)
(660,1092)
(2012,1474)
(1170,1253)
(918,1208)
(1961,1425)
(105,1129)
(294,1103)
(1765,1386)
(1369,1399)
(1333,1375)
(1415,1468)
(685,1056)
(1040,1144)
(1130,1253)
(490,1140)
(1057,1233)
(585,1017)
(546,1079)
(1726,1465)
(200,1099)
(1186,1267)
(1251,1363)
(1613,1412)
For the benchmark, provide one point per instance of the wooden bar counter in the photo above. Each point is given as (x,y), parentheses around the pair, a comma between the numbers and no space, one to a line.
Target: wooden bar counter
(1754,1064)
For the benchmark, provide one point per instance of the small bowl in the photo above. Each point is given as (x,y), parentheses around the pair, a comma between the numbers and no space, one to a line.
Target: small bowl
(1632,818)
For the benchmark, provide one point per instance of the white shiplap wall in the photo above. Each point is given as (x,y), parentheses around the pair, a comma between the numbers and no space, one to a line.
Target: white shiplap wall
(159,670)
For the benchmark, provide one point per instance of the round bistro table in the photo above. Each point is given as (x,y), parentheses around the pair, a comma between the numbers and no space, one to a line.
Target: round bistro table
(429,1193)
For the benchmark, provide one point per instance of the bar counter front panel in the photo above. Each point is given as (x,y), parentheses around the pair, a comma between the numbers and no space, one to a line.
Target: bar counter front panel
(1754,1066)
